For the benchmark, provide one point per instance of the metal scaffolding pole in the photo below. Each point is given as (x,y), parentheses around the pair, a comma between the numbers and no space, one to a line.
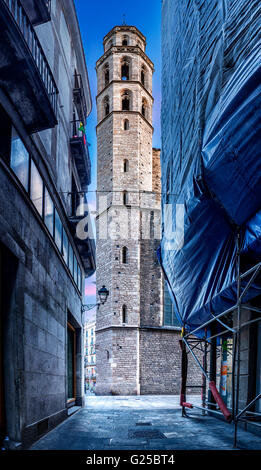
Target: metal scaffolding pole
(188,340)
(239,299)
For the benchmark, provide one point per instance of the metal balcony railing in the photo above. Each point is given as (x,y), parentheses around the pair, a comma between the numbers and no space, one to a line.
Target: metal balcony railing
(78,130)
(35,48)
(38,11)
(79,96)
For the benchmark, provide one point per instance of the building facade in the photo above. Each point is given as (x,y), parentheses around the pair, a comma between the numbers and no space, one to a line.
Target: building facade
(44,174)
(136,352)
(208,84)
(89,358)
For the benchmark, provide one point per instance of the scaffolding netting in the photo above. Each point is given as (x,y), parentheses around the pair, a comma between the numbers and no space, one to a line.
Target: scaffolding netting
(211,165)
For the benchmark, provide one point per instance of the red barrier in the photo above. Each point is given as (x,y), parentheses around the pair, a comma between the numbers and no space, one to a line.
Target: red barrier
(187,405)
(182,399)
(219,401)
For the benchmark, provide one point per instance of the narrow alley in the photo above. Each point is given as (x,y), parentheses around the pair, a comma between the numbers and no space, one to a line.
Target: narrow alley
(142,423)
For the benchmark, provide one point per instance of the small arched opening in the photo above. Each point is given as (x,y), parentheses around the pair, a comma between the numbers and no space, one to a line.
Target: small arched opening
(143,75)
(125,40)
(124,314)
(125,198)
(125,255)
(106,74)
(125,166)
(106,106)
(126,125)
(144,108)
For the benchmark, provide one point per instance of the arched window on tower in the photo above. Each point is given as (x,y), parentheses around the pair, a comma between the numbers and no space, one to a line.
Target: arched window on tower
(106,106)
(125,68)
(106,74)
(125,255)
(143,75)
(144,107)
(124,314)
(126,101)
(125,41)
(126,125)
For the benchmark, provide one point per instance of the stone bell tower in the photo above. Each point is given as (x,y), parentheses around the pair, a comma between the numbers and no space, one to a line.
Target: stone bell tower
(128,175)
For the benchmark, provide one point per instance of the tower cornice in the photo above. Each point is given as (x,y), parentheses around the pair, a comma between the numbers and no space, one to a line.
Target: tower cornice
(135,82)
(125,113)
(132,29)
(120,49)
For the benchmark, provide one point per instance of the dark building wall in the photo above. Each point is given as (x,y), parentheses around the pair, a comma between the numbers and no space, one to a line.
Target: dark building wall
(45,291)
(35,361)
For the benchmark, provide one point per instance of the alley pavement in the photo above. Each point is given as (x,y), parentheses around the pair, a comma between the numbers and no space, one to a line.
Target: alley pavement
(143,423)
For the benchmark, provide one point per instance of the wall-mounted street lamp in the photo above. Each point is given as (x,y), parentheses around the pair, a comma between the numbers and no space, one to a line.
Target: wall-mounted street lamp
(103,295)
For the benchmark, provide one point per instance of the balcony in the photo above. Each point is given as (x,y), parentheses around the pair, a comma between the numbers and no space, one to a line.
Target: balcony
(85,245)
(38,11)
(86,248)
(79,97)
(25,75)
(80,153)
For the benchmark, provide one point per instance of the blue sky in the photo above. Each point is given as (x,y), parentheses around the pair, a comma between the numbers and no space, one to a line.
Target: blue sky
(96,19)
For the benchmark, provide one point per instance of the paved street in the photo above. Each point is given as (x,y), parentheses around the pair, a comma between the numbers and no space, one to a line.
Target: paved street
(137,423)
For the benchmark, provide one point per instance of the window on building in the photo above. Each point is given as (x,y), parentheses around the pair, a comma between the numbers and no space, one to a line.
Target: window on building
(106,106)
(144,108)
(79,283)
(74,196)
(48,212)
(126,125)
(125,255)
(169,317)
(5,135)
(125,69)
(126,166)
(125,198)
(58,231)
(36,188)
(126,101)
(75,270)
(125,41)
(65,246)
(142,76)
(106,74)
(70,258)
(19,160)
(124,314)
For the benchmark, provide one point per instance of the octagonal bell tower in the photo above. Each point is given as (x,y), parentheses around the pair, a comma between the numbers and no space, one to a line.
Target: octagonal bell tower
(124,177)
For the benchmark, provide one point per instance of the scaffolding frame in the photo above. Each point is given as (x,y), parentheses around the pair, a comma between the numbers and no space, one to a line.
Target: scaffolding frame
(189,343)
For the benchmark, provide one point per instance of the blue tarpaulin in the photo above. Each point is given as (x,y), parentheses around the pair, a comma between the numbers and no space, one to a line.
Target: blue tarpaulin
(211,162)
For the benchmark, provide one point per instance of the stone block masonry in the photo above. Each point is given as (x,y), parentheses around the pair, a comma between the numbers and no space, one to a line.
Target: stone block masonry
(136,354)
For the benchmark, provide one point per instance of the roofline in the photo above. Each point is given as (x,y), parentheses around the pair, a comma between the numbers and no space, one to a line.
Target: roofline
(73,25)
(124,28)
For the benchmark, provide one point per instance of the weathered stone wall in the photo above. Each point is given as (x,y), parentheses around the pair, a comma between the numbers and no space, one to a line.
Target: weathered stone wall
(131,359)
(115,145)
(160,363)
